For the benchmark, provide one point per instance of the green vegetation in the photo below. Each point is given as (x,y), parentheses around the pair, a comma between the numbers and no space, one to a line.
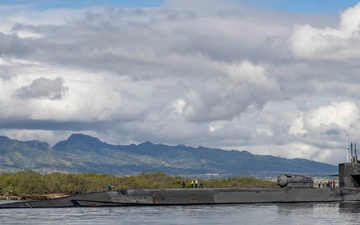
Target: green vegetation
(30,183)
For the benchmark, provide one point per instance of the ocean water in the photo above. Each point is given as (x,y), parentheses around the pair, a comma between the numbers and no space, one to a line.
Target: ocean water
(269,214)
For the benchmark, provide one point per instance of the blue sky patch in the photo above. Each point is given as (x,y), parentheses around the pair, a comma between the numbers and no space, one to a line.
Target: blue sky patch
(300,6)
(304,6)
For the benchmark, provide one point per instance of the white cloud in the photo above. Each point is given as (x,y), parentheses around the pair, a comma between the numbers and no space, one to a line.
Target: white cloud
(339,114)
(341,43)
(252,79)
(297,126)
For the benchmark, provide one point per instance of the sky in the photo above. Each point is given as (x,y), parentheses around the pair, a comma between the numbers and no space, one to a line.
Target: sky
(271,77)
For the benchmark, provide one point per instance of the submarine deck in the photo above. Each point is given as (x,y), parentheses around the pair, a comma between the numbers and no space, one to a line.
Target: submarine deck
(151,197)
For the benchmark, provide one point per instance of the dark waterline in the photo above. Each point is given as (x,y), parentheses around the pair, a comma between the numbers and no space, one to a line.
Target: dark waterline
(270,214)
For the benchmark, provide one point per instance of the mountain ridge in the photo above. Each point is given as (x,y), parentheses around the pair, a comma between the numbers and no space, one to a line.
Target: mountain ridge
(84,153)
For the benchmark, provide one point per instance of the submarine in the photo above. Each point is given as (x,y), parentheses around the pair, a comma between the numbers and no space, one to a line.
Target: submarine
(293,189)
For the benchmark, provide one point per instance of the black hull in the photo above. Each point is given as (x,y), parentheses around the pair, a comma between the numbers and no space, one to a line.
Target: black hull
(157,197)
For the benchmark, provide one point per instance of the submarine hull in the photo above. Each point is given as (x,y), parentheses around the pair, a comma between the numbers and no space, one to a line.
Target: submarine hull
(150,197)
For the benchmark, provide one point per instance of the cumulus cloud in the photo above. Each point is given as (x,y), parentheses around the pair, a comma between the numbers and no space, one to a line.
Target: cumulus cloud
(43,88)
(238,86)
(330,43)
(340,115)
(210,74)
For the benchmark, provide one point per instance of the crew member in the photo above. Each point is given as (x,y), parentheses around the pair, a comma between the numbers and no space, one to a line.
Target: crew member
(110,187)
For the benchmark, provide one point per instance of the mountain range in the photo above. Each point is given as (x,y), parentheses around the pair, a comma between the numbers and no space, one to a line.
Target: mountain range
(83,153)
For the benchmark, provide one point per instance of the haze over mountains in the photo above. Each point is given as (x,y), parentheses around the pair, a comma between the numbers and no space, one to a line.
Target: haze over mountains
(83,153)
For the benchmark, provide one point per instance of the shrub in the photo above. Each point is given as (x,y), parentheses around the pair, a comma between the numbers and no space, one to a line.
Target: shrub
(33,183)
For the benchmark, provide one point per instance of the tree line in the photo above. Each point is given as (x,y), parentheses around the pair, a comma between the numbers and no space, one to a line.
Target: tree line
(31,183)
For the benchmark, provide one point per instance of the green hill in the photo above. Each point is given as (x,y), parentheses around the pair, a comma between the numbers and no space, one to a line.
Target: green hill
(83,153)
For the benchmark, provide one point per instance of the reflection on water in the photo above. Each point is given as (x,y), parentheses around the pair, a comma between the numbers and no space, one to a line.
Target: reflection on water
(349,207)
(320,213)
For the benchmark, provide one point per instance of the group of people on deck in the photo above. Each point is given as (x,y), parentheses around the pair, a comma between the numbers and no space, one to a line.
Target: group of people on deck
(326,183)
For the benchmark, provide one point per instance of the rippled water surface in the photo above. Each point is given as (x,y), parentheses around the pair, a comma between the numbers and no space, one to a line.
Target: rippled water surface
(270,214)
